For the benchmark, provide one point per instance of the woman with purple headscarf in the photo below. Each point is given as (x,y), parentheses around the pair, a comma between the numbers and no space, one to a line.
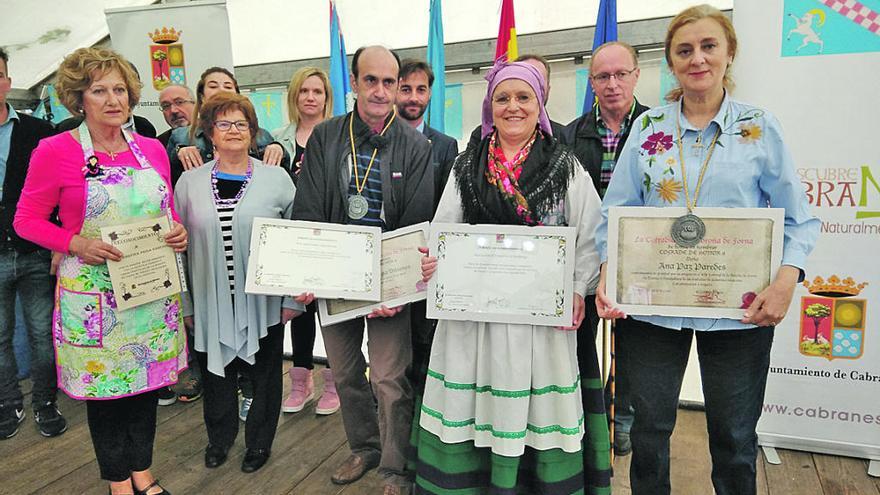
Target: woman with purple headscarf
(502,410)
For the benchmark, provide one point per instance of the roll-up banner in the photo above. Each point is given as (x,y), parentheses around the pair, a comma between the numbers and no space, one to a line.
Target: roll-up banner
(171,44)
(815,65)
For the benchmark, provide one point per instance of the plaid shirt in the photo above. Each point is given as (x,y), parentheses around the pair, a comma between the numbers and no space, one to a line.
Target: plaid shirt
(610,141)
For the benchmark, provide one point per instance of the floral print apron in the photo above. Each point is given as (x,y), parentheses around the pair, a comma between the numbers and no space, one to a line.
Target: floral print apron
(103,352)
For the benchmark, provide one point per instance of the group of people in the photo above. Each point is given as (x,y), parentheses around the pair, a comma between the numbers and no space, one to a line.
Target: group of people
(449,406)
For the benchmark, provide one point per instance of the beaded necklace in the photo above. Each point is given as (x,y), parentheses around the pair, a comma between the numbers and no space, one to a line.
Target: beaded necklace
(232,201)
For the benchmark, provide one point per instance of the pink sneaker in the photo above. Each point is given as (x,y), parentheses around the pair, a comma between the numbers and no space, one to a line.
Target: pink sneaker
(329,401)
(302,390)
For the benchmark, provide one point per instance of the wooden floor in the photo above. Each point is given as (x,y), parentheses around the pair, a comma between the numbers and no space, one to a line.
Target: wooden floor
(307,448)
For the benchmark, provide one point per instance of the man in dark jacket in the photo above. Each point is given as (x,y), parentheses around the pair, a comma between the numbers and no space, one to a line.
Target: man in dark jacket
(597,138)
(393,188)
(24,271)
(177,104)
(413,95)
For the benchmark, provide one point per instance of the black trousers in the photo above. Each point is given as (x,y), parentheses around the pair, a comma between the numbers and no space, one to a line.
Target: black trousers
(220,393)
(422,337)
(122,432)
(302,335)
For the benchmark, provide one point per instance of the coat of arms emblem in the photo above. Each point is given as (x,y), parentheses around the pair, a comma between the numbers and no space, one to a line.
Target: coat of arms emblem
(166,58)
(832,320)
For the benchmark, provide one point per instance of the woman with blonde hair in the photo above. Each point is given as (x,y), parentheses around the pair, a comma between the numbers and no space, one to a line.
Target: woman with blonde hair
(718,152)
(101,175)
(309,102)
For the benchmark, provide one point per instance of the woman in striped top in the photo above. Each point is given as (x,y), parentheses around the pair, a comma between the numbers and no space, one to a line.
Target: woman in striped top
(235,332)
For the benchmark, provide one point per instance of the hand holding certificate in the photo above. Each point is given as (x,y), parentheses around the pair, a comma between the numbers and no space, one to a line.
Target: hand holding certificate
(401,277)
(502,273)
(149,269)
(650,272)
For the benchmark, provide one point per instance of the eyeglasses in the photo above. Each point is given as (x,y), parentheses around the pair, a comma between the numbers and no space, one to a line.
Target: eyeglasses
(177,102)
(504,100)
(605,77)
(226,126)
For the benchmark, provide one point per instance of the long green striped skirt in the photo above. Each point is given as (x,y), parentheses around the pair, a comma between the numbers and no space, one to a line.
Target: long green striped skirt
(502,413)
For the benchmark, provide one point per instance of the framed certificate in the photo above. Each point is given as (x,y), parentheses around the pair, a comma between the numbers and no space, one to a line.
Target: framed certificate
(149,268)
(502,273)
(401,277)
(290,257)
(649,274)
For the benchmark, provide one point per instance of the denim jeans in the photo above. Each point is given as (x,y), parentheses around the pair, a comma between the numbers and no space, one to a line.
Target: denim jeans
(28,276)
(733,369)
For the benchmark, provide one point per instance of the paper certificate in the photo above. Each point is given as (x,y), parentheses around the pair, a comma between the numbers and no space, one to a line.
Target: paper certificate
(401,277)
(502,273)
(649,274)
(149,268)
(290,257)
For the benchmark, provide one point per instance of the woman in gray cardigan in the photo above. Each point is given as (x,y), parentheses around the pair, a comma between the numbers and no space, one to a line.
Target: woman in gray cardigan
(235,332)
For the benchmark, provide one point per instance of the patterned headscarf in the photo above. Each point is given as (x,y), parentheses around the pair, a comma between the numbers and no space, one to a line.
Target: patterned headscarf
(503,71)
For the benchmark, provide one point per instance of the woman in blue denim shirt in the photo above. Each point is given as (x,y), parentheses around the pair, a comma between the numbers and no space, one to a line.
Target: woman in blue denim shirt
(748,167)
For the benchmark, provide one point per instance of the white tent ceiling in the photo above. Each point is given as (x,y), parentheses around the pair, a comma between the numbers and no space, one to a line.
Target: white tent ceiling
(38,33)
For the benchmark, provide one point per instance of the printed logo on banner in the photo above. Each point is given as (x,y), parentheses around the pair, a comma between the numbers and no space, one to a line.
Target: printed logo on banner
(832,322)
(827,27)
(166,58)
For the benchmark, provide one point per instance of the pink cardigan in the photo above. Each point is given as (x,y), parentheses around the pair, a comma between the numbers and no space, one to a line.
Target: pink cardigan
(55,179)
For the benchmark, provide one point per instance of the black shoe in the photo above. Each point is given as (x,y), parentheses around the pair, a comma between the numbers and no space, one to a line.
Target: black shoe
(10,416)
(215,456)
(151,485)
(254,459)
(166,396)
(49,420)
(622,444)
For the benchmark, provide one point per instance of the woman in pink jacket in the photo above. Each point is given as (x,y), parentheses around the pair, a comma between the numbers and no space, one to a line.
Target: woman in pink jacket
(100,175)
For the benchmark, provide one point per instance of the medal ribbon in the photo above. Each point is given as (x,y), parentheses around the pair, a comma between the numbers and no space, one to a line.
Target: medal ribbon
(357,184)
(687,200)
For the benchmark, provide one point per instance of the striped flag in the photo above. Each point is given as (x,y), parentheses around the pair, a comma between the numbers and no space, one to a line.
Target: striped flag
(339,78)
(437,59)
(606,30)
(505,48)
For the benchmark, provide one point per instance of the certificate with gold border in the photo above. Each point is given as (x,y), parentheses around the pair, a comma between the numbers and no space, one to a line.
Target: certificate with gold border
(649,274)
(289,257)
(401,277)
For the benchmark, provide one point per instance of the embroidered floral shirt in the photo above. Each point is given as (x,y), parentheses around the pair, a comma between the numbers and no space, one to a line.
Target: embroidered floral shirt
(750,168)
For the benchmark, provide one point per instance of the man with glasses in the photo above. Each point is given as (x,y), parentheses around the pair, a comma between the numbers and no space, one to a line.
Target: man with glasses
(177,103)
(597,138)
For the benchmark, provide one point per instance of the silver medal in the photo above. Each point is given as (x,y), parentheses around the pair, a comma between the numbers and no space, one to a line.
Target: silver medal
(357,206)
(688,230)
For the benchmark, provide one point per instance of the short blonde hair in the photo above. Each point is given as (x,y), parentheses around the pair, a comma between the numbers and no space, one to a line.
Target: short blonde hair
(296,82)
(79,69)
(694,14)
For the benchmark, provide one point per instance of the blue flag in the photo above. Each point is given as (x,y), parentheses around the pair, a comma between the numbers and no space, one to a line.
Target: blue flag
(437,59)
(268,105)
(339,79)
(606,30)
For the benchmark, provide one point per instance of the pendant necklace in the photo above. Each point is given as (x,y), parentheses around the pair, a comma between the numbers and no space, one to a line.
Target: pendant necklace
(357,203)
(688,230)
(108,151)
